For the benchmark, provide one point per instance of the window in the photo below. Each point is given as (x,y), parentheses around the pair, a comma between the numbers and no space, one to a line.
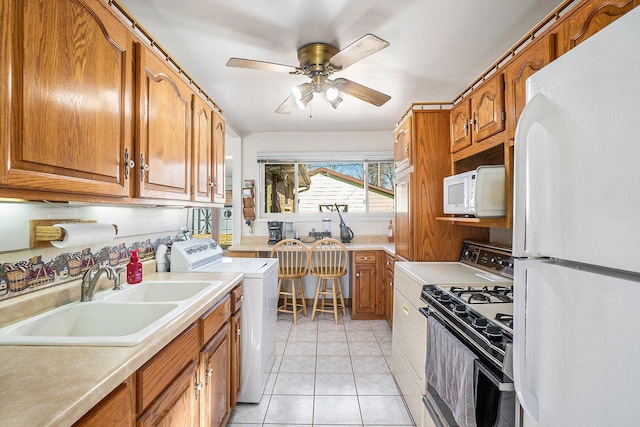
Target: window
(314,187)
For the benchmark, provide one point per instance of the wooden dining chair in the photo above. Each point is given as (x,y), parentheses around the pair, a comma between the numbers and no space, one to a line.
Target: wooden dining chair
(328,263)
(293,265)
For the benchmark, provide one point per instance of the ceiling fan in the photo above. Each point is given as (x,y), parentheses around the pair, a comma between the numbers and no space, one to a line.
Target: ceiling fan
(319,61)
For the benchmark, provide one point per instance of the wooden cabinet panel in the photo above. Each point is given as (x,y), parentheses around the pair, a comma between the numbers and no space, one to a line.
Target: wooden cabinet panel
(236,356)
(389,263)
(487,108)
(115,410)
(164,130)
(219,195)
(202,171)
(214,319)
(591,17)
(368,290)
(419,199)
(402,144)
(216,377)
(364,292)
(403,237)
(155,375)
(66,110)
(461,126)
(517,72)
(177,405)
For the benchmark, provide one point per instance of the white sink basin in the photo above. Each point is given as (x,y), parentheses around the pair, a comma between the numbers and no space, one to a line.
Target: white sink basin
(95,323)
(160,291)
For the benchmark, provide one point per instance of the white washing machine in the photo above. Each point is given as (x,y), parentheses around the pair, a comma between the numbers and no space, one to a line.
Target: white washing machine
(259,309)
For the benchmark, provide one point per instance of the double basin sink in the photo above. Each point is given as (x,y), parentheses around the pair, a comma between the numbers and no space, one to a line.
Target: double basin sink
(116,318)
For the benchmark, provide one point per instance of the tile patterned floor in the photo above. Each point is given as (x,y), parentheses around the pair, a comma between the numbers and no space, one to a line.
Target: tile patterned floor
(327,374)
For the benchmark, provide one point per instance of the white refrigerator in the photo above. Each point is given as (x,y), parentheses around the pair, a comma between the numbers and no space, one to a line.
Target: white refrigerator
(577,236)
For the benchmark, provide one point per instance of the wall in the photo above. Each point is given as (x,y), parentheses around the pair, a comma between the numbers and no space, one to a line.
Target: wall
(254,144)
(138,227)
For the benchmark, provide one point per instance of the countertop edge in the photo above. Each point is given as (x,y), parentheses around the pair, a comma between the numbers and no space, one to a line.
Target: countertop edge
(70,380)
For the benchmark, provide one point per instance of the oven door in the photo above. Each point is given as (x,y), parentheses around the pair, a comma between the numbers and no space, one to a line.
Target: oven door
(493,399)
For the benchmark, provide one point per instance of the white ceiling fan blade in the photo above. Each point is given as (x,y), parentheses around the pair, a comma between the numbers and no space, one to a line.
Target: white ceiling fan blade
(262,65)
(287,106)
(361,92)
(360,49)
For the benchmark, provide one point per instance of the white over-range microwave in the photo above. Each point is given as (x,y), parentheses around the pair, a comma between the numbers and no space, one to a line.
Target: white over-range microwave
(478,193)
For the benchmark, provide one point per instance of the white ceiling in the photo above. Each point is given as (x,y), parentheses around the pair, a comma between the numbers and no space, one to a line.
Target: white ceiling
(437,47)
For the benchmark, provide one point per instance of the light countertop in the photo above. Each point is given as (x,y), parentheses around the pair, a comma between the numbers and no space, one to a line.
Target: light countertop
(259,244)
(56,385)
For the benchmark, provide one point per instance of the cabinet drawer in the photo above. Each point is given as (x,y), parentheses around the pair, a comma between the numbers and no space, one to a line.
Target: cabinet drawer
(388,261)
(213,319)
(236,298)
(154,376)
(365,257)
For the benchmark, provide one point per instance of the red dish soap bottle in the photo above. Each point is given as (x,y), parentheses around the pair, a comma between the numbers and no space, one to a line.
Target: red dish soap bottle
(134,269)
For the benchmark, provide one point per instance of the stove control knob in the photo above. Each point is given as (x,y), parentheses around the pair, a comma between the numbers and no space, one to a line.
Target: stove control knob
(494,332)
(460,309)
(480,323)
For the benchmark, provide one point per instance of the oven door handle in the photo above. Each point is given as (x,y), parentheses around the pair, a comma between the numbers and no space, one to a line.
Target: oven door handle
(502,386)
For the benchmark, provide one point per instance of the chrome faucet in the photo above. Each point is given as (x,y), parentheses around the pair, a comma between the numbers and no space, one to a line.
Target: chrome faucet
(90,280)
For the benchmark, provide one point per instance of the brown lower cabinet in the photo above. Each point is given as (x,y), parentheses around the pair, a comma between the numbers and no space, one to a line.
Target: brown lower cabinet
(115,410)
(216,376)
(188,383)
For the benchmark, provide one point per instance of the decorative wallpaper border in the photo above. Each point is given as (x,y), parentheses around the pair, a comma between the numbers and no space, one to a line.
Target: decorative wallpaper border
(35,274)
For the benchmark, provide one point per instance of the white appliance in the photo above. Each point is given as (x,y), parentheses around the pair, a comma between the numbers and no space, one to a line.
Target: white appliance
(259,309)
(478,193)
(577,201)
(409,341)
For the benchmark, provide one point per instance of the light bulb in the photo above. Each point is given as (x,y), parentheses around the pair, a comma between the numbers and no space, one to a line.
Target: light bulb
(331,93)
(301,91)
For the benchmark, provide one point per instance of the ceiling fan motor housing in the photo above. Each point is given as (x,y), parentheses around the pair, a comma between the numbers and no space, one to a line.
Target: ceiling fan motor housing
(314,60)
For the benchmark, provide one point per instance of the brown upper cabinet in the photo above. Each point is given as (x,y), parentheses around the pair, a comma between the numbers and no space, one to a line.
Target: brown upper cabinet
(208,153)
(164,130)
(66,117)
(218,183)
(202,132)
(479,116)
(518,71)
(94,113)
(589,18)
(402,144)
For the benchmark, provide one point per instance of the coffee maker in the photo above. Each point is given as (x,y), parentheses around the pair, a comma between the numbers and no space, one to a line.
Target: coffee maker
(275,231)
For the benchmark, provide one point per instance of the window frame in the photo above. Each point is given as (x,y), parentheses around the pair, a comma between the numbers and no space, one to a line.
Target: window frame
(314,157)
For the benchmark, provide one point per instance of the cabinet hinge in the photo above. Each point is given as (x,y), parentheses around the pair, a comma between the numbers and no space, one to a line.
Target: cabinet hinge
(503,115)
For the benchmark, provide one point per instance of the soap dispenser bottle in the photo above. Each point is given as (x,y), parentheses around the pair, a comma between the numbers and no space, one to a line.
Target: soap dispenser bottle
(134,269)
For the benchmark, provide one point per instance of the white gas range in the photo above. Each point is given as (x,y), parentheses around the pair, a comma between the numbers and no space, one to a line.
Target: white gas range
(481,267)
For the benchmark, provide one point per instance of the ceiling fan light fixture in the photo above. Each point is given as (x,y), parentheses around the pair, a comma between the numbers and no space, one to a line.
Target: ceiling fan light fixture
(300,91)
(331,93)
(336,102)
(302,102)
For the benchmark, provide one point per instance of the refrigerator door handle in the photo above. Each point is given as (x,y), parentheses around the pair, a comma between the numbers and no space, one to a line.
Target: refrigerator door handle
(526,397)
(534,112)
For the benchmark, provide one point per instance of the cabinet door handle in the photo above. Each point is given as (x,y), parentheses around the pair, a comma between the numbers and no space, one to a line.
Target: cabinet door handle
(475,122)
(128,163)
(143,167)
